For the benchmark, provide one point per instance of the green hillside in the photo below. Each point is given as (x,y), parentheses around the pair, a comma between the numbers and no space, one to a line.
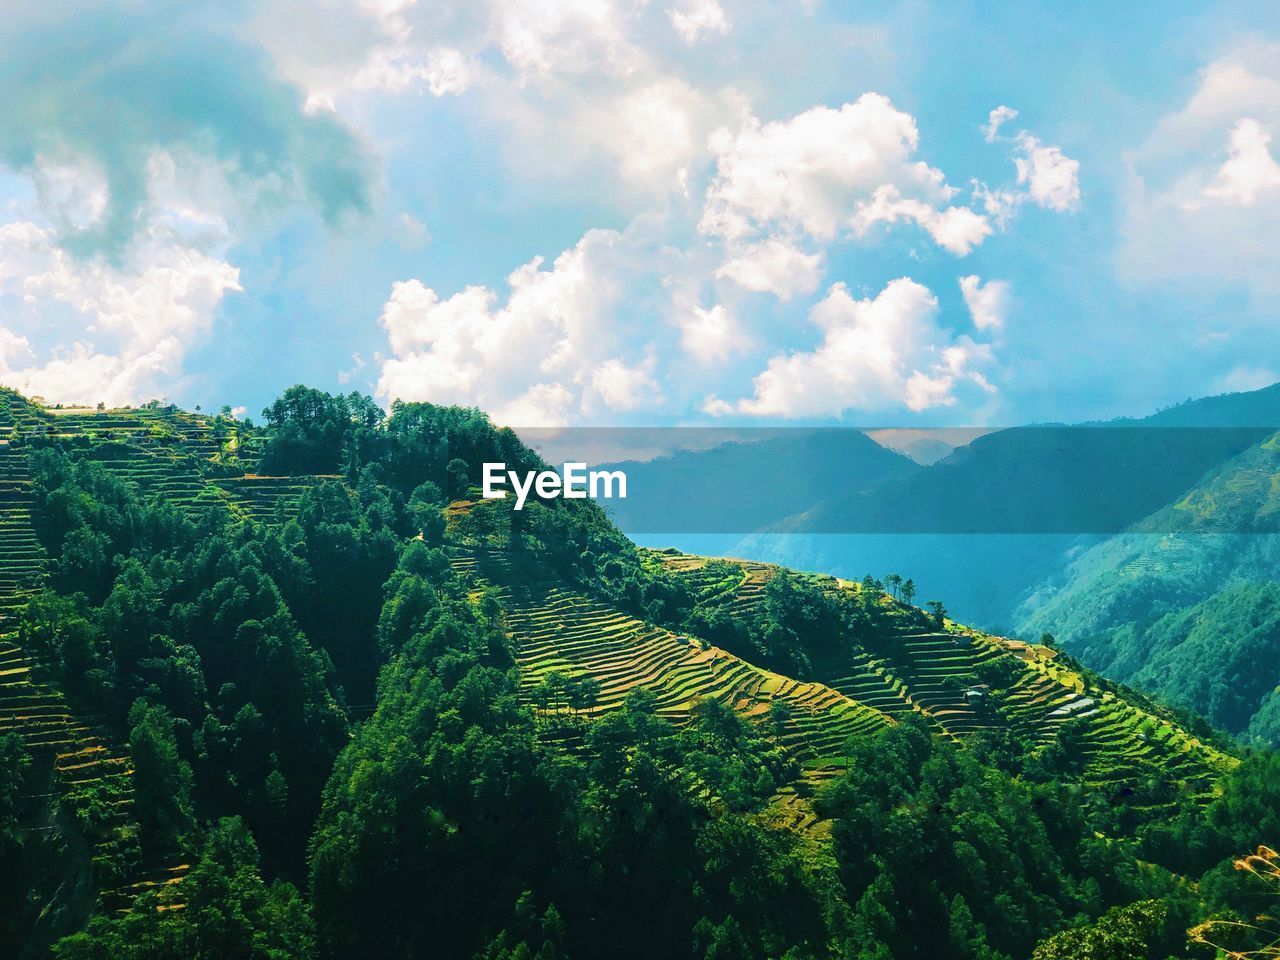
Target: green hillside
(1189,612)
(294,691)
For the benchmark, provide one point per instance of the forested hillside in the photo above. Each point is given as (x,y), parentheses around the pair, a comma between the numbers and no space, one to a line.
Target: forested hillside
(294,691)
(1188,611)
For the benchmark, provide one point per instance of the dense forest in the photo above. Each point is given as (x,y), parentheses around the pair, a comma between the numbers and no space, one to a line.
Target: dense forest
(333,744)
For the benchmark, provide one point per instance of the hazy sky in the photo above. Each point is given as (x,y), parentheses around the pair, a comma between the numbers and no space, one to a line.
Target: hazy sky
(629,212)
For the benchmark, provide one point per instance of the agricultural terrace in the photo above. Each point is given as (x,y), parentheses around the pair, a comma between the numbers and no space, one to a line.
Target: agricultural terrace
(183,459)
(965,682)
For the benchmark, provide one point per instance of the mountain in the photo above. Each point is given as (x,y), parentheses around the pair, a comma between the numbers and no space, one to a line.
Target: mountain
(1249,408)
(745,484)
(1005,513)
(925,447)
(1185,604)
(298,691)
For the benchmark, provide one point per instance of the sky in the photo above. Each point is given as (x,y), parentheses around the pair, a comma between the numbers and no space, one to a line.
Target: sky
(643,212)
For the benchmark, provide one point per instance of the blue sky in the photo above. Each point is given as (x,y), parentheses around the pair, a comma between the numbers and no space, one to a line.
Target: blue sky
(628,212)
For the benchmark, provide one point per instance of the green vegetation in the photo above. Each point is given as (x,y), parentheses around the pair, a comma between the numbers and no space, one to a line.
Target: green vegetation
(298,694)
(1190,614)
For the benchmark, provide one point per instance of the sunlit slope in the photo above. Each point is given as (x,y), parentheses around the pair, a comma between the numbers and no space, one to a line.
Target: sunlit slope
(962,682)
(189,461)
(567,632)
(965,682)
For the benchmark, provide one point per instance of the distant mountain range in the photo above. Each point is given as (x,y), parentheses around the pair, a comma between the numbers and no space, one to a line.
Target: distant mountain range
(746,485)
(1110,535)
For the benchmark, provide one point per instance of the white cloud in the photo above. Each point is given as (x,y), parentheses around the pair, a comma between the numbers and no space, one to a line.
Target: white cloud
(955,229)
(399,69)
(695,19)
(713,406)
(987,302)
(555,348)
(1051,177)
(571,90)
(1046,176)
(653,131)
(1250,171)
(876,353)
(624,387)
(995,120)
(772,266)
(87,331)
(362,46)
(571,37)
(542,405)
(710,335)
(827,171)
(1201,217)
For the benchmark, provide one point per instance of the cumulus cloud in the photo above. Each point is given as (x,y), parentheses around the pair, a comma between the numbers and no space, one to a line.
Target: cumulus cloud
(827,172)
(772,266)
(1203,206)
(1051,178)
(876,353)
(555,348)
(625,386)
(710,335)
(76,330)
(1250,172)
(987,302)
(1046,176)
(696,19)
(542,405)
(653,130)
(956,229)
(96,82)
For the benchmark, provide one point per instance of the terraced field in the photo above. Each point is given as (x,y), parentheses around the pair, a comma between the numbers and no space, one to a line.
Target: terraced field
(91,773)
(561,631)
(938,675)
(1122,743)
(267,498)
(741,594)
(165,453)
(159,452)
